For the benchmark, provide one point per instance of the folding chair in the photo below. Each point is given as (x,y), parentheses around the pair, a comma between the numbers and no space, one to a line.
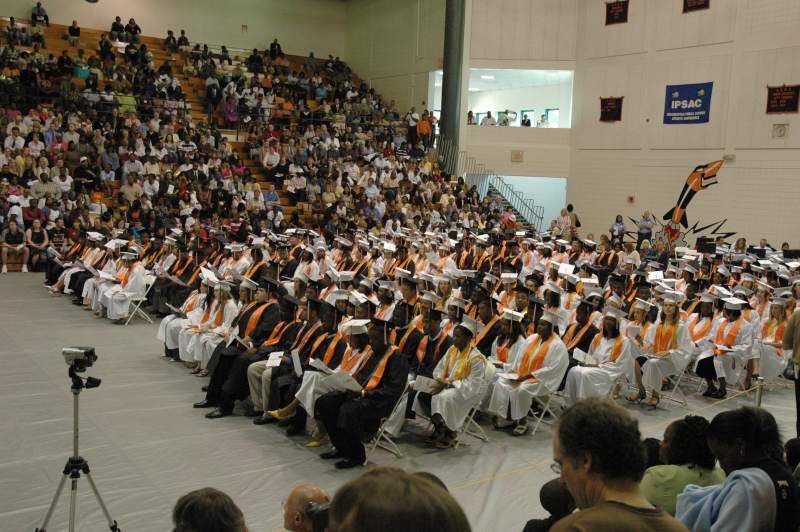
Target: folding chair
(382,438)
(544,402)
(676,395)
(471,427)
(149,281)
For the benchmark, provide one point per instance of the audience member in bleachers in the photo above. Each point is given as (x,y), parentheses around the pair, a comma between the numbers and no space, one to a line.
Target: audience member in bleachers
(39,15)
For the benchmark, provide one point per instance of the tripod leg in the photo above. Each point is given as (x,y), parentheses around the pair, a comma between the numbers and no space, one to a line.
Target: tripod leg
(112,525)
(53,504)
(73,502)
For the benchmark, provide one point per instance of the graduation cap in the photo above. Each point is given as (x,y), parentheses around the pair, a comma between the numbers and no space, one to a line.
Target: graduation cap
(733,303)
(456,302)
(512,315)
(470,325)
(249,284)
(641,304)
(223,286)
(706,297)
(671,297)
(783,293)
(290,300)
(615,314)
(130,255)
(435,314)
(354,327)
(550,317)
(430,297)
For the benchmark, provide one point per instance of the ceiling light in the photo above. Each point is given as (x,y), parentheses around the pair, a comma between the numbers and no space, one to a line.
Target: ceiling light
(474,89)
(437,84)
(487,77)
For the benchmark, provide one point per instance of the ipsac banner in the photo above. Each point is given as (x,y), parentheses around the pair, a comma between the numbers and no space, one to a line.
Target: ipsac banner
(688,104)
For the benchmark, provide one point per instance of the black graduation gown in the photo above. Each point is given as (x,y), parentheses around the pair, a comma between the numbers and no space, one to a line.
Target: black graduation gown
(347,416)
(485,345)
(409,350)
(583,344)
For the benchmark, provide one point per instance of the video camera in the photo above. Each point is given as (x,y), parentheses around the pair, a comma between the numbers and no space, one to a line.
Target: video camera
(79,358)
(318,515)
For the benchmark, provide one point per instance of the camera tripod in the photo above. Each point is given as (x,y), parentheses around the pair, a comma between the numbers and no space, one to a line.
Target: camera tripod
(76,464)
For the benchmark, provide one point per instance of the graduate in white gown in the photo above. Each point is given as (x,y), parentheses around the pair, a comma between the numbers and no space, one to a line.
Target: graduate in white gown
(94,284)
(461,381)
(131,284)
(207,341)
(731,342)
(194,300)
(611,354)
(769,347)
(538,370)
(212,316)
(192,313)
(668,349)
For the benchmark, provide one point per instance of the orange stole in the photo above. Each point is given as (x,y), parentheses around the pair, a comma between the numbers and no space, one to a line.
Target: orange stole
(569,337)
(332,349)
(615,351)
(277,333)
(481,335)
(727,339)
(666,338)
(698,334)
(403,340)
(377,375)
(350,358)
(255,317)
(531,362)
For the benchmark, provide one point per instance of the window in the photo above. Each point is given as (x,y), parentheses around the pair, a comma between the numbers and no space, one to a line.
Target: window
(552,117)
(479,117)
(531,116)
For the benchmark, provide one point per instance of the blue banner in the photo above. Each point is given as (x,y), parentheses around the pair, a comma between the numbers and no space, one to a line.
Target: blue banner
(688,104)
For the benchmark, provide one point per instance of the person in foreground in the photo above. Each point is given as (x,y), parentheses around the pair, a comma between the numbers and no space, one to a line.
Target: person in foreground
(387,499)
(207,510)
(759,494)
(295,509)
(597,449)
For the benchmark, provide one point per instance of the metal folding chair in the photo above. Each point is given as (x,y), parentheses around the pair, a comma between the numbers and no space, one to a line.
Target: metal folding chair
(382,438)
(149,281)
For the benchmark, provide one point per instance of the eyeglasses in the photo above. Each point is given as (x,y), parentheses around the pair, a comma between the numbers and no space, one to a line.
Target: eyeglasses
(555,467)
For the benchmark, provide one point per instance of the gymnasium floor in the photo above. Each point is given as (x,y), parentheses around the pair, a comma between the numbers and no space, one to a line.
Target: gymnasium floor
(147,446)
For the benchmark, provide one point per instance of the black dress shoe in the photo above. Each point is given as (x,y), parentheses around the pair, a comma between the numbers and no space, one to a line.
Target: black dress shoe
(254,413)
(204,388)
(709,392)
(331,455)
(205,403)
(264,420)
(295,431)
(719,394)
(217,413)
(348,463)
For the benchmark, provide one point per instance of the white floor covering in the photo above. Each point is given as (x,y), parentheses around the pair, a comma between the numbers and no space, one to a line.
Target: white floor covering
(147,445)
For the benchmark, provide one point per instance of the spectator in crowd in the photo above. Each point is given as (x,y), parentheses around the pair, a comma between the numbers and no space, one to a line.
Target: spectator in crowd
(556,500)
(37,242)
(390,500)
(791,341)
(73,33)
(39,15)
(207,510)
(526,122)
(488,120)
(645,228)
(792,451)
(296,508)
(598,452)
(759,492)
(687,460)
(617,229)
(12,242)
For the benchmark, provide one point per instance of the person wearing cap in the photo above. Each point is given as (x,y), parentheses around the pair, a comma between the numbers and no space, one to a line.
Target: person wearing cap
(535,373)
(580,333)
(432,346)
(461,380)
(236,264)
(723,358)
(170,325)
(609,359)
(116,300)
(229,377)
(88,287)
(90,254)
(511,340)
(768,349)
(669,349)
(347,415)
(386,300)
(198,345)
(489,326)
(405,334)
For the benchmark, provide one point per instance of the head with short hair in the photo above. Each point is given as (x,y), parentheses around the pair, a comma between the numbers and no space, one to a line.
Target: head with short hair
(391,500)
(741,437)
(598,445)
(685,443)
(207,510)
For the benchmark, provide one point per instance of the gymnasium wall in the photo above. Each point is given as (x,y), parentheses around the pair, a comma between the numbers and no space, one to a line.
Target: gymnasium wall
(640,163)
(300,25)
(394,45)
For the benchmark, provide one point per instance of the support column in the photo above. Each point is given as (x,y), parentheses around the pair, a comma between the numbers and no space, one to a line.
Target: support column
(451,80)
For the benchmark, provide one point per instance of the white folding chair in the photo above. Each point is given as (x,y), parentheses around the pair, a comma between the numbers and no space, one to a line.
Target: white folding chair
(676,395)
(382,438)
(471,427)
(137,302)
(544,403)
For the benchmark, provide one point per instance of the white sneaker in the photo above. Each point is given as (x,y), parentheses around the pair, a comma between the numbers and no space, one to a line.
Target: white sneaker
(24,268)
(5,268)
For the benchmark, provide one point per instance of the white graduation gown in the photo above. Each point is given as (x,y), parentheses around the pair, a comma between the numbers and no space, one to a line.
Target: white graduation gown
(656,369)
(314,386)
(454,403)
(195,298)
(773,361)
(585,381)
(91,286)
(177,325)
(516,398)
(729,364)
(67,274)
(188,336)
(119,297)
(208,341)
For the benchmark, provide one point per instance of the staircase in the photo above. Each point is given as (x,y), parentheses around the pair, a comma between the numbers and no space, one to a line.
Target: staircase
(529,214)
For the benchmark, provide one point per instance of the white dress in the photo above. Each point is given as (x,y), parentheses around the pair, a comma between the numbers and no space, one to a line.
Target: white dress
(194,300)
(117,299)
(454,403)
(90,287)
(173,329)
(656,369)
(585,381)
(67,274)
(516,398)
(188,336)
(208,341)
(728,365)
(773,361)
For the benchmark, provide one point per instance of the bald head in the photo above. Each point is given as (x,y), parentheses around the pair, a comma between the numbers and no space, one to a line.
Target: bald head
(294,511)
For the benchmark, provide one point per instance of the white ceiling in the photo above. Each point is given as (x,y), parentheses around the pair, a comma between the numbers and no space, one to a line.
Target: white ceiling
(513,78)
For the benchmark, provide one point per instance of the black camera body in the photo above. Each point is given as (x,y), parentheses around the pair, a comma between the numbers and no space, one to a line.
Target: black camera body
(318,515)
(79,358)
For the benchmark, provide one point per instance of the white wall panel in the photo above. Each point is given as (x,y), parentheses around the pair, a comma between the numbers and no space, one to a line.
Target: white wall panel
(523,29)
(545,151)
(626,80)
(681,71)
(769,23)
(752,126)
(599,40)
(681,30)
